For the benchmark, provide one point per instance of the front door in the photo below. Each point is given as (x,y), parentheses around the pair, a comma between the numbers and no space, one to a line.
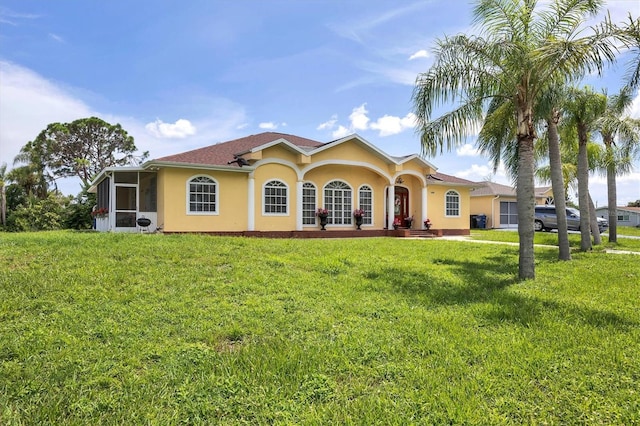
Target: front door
(401,205)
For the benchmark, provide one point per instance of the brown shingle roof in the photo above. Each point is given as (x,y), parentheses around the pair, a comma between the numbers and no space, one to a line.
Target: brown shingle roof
(221,153)
(444,178)
(492,188)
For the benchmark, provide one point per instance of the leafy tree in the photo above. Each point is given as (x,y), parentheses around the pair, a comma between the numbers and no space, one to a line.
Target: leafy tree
(77,214)
(634,204)
(38,214)
(497,78)
(81,148)
(618,156)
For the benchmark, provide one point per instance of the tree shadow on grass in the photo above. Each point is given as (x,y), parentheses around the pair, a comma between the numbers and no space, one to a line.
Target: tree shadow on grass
(445,281)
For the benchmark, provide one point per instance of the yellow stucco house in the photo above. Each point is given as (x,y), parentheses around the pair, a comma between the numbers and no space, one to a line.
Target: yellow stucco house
(498,203)
(275,183)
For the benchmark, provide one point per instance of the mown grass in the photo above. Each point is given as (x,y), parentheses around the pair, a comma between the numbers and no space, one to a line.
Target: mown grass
(551,238)
(153,329)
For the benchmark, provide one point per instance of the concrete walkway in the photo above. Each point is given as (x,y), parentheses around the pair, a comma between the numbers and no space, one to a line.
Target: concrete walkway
(471,240)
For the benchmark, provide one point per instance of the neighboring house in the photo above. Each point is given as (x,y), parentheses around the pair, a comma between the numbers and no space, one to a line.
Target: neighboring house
(274,182)
(499,203)
(627,216)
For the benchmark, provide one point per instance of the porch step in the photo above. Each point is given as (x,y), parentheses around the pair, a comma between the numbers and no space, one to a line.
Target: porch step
(424,233)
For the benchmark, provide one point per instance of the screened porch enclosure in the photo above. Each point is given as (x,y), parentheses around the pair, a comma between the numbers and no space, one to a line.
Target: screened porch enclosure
(127,196)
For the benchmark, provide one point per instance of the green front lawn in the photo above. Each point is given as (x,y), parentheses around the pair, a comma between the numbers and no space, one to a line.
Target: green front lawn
(154,329)
(551,238)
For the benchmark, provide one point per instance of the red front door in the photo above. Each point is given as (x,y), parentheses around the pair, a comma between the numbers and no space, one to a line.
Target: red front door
(401,204)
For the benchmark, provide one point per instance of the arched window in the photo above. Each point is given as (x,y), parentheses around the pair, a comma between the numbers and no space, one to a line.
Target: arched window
(365,202)
(337,199)
(275,200)
(452,204)
(202,195)
(308,203)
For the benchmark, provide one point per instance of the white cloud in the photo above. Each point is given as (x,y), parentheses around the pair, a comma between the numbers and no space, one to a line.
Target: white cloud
(634,109)
(268,126)
(329,124)
(56,38)
(389,125)
(358,118)
(178,130)
(467,150)
(481,172)
(419,54)
(476,172)
(341,132)
(29,103)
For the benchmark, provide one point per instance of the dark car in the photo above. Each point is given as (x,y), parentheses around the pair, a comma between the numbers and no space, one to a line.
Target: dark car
(546,219)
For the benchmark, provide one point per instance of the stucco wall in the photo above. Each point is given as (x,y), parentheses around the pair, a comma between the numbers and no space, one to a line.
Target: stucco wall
(436,207)
(172,202)
(268,221)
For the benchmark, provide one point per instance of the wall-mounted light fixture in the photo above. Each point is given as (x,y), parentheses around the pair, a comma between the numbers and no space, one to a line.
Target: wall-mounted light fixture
(399,180)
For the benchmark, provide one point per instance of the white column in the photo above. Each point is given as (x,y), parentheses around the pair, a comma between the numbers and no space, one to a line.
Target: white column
(299,205)
(424,205)
(251,204)
(390,205)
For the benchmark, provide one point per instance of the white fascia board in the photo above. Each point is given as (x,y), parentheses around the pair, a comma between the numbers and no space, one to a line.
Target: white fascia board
(447,183)
(420,159)
(280,141)
(100,176)
(177,165)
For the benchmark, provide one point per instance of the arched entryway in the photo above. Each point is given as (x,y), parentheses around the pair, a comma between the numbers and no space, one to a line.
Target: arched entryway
(400,205)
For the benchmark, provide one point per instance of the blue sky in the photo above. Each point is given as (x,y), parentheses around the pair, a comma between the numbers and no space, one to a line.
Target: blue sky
(181,75)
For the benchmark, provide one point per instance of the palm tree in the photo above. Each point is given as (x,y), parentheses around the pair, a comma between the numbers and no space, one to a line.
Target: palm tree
(629,34)
(497,79)
(3,194)
(551,114)
(617,157)
(584,108)
(33,176)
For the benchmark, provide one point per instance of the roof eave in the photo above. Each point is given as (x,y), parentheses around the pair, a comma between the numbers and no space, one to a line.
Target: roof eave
(151,165)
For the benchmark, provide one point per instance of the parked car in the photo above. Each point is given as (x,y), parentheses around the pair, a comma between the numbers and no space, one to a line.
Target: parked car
(546,219)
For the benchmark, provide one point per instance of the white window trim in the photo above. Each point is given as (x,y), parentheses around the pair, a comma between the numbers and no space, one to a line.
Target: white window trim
(217,204)
(324,204)
(445,203)
(315,187)
(372,203)
(288,203)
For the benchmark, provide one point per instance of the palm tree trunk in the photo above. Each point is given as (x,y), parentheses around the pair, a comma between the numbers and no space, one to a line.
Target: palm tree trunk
(557,183)
(3,205)
(593,223)
(583,190)
(612,201)
(525,193)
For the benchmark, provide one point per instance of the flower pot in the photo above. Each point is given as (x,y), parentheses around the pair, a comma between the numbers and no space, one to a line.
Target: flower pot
(358,222)
(323,222)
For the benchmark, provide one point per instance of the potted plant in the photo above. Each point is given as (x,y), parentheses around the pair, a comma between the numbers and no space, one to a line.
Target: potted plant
(323,214)
(408,221)
(427,224)
(396,223)
(100,212)
(358,214)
